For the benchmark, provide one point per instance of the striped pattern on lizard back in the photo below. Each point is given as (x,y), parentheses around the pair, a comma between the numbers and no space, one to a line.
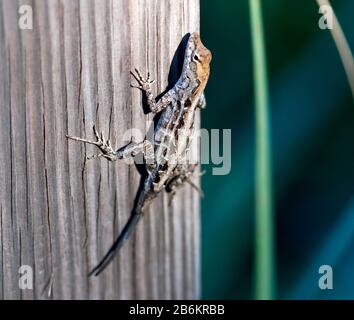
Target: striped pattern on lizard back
(171,139)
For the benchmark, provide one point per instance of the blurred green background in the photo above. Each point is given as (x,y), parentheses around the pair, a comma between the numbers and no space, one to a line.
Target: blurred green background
(312,115)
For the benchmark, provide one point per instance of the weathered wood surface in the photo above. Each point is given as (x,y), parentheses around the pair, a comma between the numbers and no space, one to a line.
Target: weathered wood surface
(58,212)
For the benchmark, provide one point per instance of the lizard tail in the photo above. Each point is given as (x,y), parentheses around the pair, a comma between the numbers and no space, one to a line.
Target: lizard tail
(143,201)
(124,235)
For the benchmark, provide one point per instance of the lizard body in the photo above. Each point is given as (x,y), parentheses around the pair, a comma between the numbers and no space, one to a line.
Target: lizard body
(164,158)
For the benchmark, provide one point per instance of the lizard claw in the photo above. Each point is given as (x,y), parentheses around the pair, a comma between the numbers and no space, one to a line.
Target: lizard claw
(172,195)
(139,75)
(148,79)
(195,187)
(96,132)
(94,156)
(143,83)
(138,87)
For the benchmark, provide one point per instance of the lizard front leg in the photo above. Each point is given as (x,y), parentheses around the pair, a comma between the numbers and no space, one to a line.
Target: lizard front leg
(104,145)
(130,150)
(145,85)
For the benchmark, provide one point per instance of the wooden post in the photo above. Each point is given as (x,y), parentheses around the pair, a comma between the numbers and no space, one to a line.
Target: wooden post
(59,213)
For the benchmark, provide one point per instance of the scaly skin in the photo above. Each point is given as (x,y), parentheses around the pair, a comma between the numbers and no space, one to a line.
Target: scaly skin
(166,157)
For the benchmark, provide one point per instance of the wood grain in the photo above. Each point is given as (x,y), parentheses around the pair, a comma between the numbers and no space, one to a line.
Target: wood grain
(59,213)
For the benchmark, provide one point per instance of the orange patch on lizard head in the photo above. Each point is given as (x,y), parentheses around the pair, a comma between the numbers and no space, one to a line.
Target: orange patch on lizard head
(202,57)
(201,53)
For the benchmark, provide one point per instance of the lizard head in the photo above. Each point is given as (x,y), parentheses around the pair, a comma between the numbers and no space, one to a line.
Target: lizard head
(198,57)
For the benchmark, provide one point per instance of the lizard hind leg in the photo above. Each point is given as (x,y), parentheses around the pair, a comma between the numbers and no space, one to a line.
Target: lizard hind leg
(182,174)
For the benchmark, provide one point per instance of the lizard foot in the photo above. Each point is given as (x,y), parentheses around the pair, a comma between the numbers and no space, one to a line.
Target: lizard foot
(144,84)
(104,145)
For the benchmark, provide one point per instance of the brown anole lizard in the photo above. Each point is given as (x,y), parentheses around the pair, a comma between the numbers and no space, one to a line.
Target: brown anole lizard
(165,157)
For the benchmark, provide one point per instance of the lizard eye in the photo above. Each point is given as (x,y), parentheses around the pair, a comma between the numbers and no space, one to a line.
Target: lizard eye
(196,58)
